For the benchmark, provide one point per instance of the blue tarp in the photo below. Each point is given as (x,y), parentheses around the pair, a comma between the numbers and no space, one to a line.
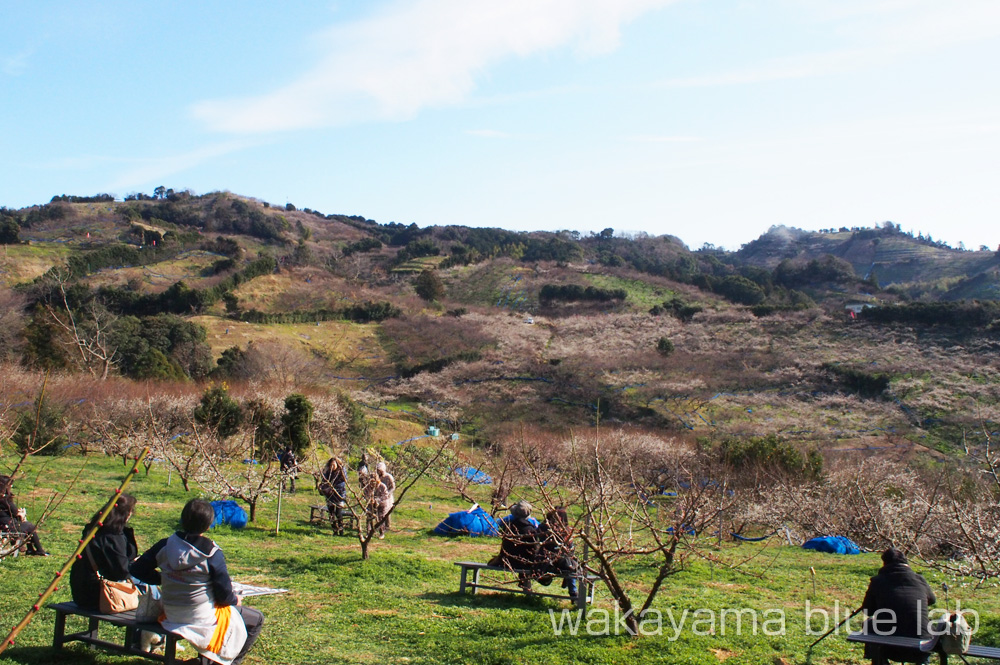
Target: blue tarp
(476,522)
(474,474)
(832,545)
(510,517)
(229,512)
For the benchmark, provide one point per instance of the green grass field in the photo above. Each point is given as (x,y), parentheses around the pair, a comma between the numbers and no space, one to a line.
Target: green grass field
(402,605)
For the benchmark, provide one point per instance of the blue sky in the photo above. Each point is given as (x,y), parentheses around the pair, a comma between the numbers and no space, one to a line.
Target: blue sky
(709,120)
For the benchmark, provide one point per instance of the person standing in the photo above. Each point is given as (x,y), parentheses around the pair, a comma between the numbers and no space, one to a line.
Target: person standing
(385,496)
(289,467)
(333,486)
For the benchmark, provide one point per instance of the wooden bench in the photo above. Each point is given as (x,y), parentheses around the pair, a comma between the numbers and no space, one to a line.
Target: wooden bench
(926,645)
(584,595)
(11,543)
(126,619)
(320,513)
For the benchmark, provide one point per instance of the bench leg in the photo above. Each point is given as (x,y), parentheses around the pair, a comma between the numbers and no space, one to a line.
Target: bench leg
(94,628)
(583,596)
(132,637)
(170,649)
(475,581)
(461,584)
(60,633)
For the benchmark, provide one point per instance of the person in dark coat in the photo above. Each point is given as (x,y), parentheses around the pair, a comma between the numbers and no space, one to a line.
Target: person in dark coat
(113,549)
(519,547)
(289,467)
(896,604)
(556,550)
(333,486)
(12,519)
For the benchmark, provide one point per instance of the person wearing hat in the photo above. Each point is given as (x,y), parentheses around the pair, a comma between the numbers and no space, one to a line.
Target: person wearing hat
(519,547)
(896,604)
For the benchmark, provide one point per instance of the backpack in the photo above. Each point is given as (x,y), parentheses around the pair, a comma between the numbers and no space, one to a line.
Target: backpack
(954,633)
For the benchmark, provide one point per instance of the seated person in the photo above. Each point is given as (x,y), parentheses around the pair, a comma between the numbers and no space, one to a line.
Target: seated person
(12,520)
(519,547)
(896,604)
(556,550)
(111,552)
(197,595)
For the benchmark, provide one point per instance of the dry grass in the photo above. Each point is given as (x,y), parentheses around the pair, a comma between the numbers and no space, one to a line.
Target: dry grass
(23,263)
(339,343)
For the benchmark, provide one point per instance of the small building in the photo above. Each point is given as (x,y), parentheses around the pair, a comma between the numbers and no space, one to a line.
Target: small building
(855,308)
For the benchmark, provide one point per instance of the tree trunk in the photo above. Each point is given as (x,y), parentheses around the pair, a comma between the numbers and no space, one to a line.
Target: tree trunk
(253,509)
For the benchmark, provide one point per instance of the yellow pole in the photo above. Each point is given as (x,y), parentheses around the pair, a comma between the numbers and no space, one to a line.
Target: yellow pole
(9,640)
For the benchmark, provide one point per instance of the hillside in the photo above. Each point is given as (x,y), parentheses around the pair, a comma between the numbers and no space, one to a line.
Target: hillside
(916,265)
(553,330)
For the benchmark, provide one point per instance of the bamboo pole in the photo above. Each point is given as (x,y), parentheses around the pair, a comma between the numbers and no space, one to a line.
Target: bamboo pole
(78,554)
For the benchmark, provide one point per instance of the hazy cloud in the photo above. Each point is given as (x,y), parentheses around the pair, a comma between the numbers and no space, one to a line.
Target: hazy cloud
(874,33)
(16,64)
(655,138)
(144,171)
(415,54)
(489,133)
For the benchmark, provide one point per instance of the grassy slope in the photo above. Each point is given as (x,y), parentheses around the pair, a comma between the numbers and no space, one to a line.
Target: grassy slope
(402,605)
(23,263)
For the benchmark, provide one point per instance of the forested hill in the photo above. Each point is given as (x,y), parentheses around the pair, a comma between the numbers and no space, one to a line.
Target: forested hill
(916,266)
(489,326)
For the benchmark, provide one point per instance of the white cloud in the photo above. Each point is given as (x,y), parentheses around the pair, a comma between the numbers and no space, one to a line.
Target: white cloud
(16,64)
(156,169)
(656,138)
(874,33)
(415,54)
(489,133)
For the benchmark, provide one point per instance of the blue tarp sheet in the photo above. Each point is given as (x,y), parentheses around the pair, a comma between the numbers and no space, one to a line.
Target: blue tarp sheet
(476,522)
(510,517)
(474,474)
(832,545)
(229,512)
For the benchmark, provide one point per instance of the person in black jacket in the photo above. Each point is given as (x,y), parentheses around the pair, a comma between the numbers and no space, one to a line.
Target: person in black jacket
(112,549)
(556,549)
(289,467)
(519,547)
(12,520)
(333,485)
(896,604)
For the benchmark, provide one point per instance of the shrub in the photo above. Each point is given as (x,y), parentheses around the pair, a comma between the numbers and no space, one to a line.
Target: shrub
(855,380)
(219,411)
(41,429)
(429,286)
(295,422)
(771,453)
(739,289)
(575,292)
(155,365)
(664,346)
(9,230)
